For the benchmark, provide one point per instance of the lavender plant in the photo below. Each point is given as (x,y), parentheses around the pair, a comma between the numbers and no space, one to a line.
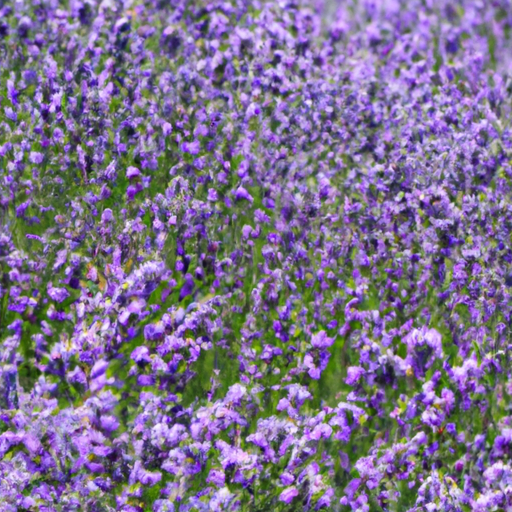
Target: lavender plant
(255,255)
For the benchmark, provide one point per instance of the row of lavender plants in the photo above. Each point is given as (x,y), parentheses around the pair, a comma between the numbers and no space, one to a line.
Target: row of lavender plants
(255,255)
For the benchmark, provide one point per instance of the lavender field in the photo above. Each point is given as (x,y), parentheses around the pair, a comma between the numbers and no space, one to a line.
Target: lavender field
(255,255)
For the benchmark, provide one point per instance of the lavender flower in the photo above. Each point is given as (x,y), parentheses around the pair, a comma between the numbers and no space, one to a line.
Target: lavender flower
(288,495)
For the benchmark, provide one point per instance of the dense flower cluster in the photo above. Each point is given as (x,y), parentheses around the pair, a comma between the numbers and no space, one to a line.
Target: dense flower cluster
(255,255)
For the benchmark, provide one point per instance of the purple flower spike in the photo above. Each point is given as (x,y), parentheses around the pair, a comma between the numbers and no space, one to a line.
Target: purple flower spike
(236,393)
(321,340)
(153,332)
(132,191)
(141,355)
(354,373)
(241,193)
(212,195)
(107,216)
(99,368)
(35,157)
(132,172)
(109,423)
(167,128)
(191,148)
(288,495)
(58,294)
(216,477)
(187,288)
(287,478)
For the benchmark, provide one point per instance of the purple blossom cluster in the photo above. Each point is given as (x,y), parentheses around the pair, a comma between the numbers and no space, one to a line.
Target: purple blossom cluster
(255,255)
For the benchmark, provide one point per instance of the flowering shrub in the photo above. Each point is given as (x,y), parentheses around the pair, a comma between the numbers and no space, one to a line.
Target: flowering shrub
(255,255)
